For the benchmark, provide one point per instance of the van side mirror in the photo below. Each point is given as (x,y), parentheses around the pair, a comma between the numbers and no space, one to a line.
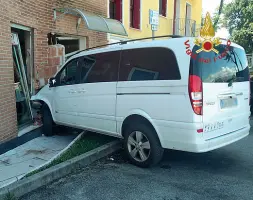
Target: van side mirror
(52,82)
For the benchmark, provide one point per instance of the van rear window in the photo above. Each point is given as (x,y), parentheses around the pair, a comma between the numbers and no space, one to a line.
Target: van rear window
(229,65)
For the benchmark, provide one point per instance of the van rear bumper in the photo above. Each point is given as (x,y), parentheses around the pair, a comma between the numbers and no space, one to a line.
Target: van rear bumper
(221,141)
(188,140)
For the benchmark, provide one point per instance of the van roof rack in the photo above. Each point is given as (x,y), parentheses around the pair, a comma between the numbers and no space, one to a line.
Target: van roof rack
(126,41)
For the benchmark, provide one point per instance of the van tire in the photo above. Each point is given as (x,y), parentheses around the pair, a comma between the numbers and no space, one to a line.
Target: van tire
(47,121)
(149,134)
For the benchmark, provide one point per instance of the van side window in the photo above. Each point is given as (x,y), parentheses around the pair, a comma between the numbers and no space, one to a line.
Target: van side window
(68,76)
(148,64)
(86,64)
(101,67)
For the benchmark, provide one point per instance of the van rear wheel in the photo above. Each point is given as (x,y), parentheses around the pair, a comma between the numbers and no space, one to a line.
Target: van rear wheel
(142,145)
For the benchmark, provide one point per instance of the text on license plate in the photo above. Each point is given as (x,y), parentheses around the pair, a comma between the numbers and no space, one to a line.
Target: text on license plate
(228,103)
(213,126)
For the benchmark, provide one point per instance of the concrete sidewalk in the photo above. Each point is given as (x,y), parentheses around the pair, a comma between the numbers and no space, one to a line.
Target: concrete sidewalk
(25,158)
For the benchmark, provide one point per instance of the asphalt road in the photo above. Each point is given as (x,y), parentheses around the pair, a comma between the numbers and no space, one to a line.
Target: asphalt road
(226,173)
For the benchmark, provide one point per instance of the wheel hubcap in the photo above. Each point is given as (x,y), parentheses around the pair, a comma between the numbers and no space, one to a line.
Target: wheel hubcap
(138,146)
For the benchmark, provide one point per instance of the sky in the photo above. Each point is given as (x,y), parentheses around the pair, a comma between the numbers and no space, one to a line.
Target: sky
(210,6)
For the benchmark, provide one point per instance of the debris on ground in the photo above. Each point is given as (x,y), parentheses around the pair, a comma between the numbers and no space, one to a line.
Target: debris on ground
(6,161)
(36,152)
(38,119)
(111,158)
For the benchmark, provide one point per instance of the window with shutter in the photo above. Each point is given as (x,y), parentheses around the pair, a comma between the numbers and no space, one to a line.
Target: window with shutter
(119,10)
(163,7)
(116,9)
(131,13)
(112,9)
(135,6)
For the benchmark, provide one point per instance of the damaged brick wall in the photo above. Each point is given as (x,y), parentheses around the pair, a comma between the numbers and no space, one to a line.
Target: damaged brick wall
(55,59)
(37,15)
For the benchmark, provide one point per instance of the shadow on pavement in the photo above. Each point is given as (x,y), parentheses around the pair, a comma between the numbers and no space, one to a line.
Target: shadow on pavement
(64,131)
(211,161)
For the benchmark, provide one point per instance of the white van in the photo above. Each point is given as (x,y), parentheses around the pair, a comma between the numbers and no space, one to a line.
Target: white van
(154,95)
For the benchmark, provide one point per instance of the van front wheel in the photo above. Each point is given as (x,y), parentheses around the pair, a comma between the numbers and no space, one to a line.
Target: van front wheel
(142,145)
(47,121)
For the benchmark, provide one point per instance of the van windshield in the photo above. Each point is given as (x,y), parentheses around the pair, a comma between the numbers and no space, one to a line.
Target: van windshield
(229,65)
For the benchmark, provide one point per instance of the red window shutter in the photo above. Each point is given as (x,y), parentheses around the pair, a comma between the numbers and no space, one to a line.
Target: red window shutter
(164,7)
(119,10)
(131,13)
(137,7)
(174,16)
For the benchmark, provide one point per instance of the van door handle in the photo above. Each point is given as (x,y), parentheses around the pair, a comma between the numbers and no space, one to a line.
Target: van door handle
(239,94)
(82,90)
(230,94)
(72,91)
(225,95)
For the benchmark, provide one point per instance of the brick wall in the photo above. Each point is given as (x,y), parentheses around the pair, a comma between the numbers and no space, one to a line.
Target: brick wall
(55,59)
(37,14)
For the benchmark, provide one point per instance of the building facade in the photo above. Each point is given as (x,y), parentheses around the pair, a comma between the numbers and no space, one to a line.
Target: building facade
(34,44)
(178,17)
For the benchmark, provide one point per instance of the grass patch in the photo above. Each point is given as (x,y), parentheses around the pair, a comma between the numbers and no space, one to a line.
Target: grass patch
(10,196)
(88,142)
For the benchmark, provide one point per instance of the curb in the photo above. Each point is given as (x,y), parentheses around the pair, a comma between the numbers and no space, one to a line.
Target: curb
(57,155)
(17,141)
(47,176)
(46,163)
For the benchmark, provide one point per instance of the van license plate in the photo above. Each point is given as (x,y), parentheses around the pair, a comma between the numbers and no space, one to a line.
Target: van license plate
(228,103)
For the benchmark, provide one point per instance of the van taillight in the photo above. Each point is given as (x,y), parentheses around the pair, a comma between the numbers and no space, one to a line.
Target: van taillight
(196,93)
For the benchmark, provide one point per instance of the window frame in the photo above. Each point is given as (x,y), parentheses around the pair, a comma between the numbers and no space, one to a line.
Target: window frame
(114,13)
(82,43)
(118,10)
(164,9)
(133,15)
